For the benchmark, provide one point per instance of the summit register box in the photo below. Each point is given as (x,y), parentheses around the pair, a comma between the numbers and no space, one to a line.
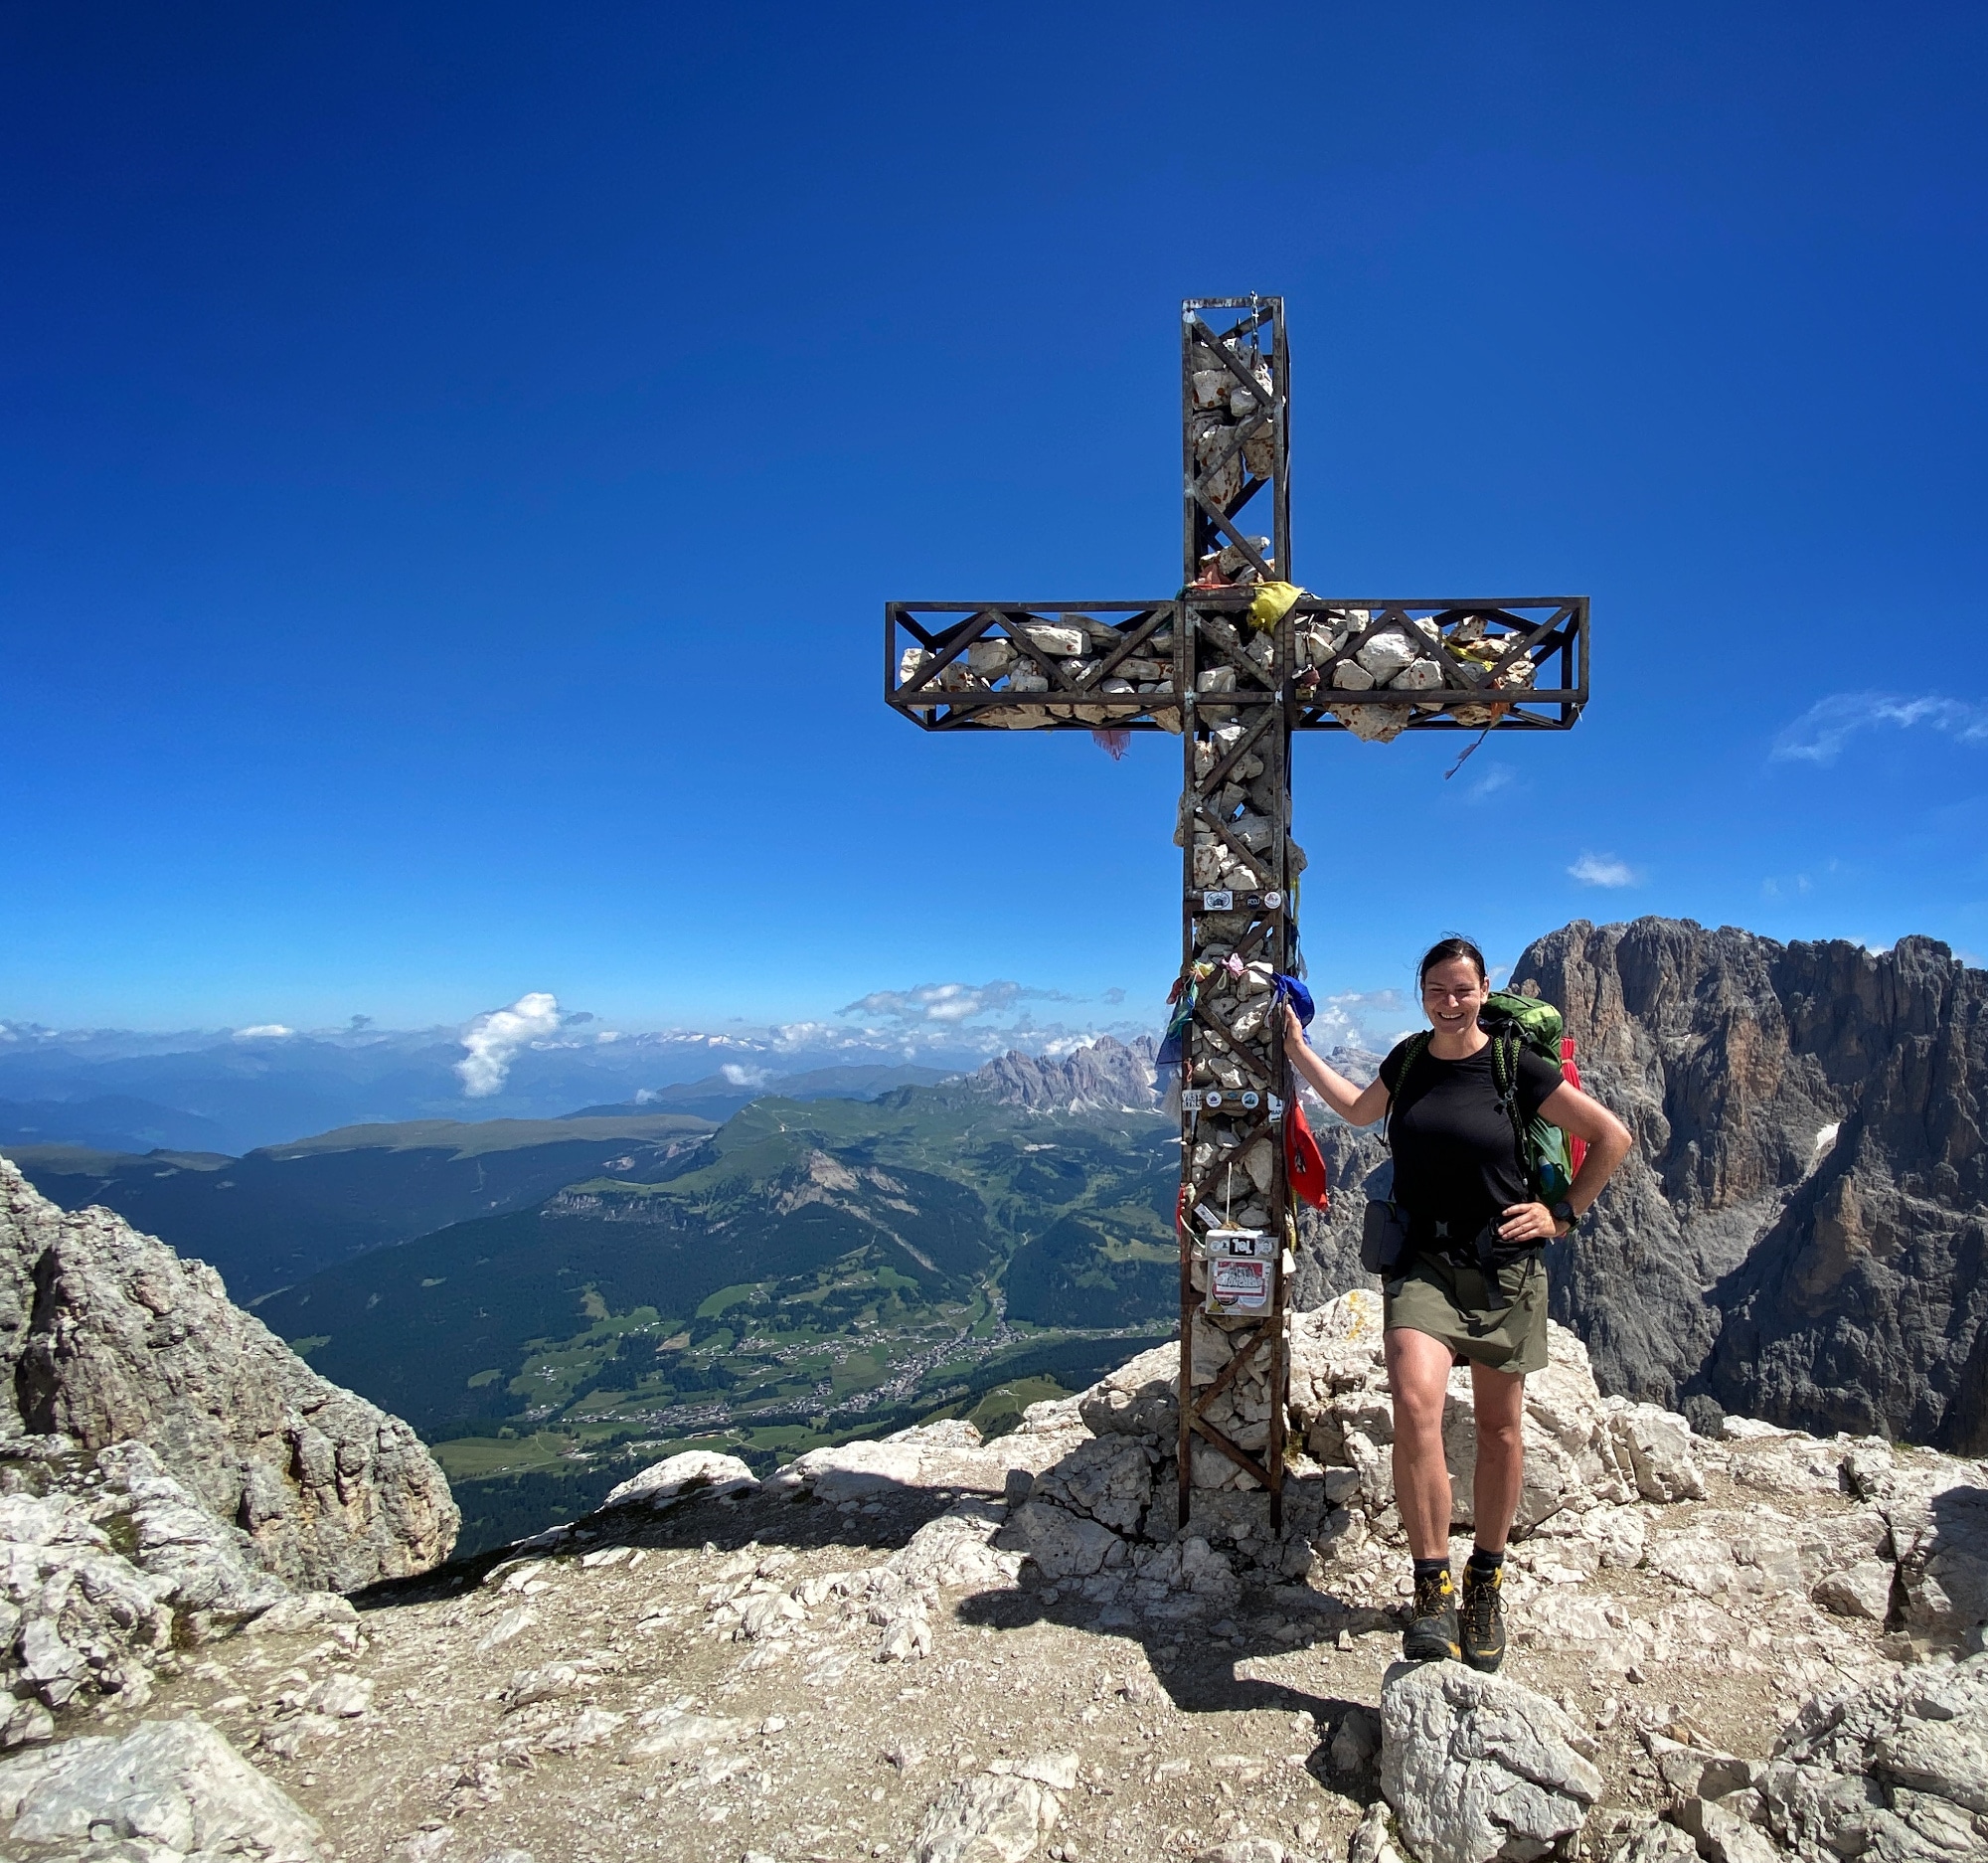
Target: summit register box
(1242,1266)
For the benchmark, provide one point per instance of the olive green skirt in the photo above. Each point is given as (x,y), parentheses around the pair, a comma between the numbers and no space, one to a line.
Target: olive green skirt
(1499,1321)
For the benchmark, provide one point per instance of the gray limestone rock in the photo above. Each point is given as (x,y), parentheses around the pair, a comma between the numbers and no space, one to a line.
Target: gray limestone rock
(1940,1529)
(1896,1771)
(1657,1447)
(309,1614)
(1356,1742)
(208,1563)
(1061,1545)
(957,1549)
(1859,1591)
(694,1472)
(1245,1850)
(1137,1398)
(1373,1840)
(1658,1843)
(176,1785)
(77,1621)
(1107,1478)
(1477,1766)
(109,1336)
(995,1818)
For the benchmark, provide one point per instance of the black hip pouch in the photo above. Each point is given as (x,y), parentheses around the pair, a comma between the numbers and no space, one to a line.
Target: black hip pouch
(1383,1237)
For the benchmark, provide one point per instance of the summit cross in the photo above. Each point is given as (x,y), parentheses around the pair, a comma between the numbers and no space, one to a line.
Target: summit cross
(1234,664)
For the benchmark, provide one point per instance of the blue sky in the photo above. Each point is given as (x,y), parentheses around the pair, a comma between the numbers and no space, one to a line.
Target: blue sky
(453,460)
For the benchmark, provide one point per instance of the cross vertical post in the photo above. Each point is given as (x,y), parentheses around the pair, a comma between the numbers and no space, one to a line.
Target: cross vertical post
(1235,663)
(1237,922)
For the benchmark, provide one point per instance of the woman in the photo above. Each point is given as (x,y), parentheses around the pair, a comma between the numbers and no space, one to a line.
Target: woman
(1471,1284)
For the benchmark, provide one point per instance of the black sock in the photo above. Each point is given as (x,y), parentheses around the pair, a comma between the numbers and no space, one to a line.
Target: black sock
(1429,1568)
(1485,1562)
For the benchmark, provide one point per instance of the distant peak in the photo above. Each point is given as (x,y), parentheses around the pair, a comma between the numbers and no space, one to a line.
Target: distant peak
(1105,1077)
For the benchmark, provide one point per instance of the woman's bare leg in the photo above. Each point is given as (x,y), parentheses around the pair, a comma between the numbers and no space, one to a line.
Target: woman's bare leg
(1499,1398)
(1418,1378)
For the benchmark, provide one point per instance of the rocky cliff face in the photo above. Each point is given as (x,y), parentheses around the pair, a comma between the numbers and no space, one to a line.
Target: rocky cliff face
(1863,1304)
(106,1336)
(1800,1230)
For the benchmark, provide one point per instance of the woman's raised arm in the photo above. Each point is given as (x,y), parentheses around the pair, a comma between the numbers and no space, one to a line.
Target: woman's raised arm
(1357,1106)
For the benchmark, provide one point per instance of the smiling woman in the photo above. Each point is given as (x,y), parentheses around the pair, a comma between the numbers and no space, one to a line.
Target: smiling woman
(1469,1285)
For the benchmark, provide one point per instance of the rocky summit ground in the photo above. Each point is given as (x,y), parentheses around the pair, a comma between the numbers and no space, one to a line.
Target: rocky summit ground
(932,1648)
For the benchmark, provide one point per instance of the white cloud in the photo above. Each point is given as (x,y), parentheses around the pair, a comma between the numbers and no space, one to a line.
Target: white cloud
(743,1077)
(1498,776)
(1602,870)
(264,1032)
(493,1038)
(1819,734)
(1355,1019)
(946,1003)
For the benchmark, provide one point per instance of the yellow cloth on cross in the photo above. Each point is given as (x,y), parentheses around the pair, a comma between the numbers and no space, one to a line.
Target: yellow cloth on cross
(1271,603)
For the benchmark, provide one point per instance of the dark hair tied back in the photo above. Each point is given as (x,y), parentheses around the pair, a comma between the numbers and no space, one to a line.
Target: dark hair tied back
(1442,951)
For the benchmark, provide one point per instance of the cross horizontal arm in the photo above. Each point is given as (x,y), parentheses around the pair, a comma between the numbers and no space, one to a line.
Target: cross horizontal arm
(1372,666)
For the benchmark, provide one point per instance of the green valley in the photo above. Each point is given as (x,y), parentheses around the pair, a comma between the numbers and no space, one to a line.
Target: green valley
(811,1271)
(279,1214)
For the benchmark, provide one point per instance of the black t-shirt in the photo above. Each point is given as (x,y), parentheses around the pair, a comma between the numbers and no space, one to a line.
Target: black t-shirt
(1456,1161)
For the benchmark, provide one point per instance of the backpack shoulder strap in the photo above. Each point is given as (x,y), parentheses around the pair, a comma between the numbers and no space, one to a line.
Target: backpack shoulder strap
(1417,1043)
(1505,1045)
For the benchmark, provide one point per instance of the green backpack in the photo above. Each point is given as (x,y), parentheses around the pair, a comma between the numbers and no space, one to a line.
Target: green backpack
(1514,1022)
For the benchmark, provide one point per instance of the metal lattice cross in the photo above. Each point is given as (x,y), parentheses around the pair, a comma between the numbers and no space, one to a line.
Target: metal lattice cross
(1233,664)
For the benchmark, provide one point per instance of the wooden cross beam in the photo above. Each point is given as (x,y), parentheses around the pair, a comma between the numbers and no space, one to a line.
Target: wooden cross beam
(1235,663)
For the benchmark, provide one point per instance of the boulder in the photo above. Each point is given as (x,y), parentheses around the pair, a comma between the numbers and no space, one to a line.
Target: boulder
(1938,1513)
(310,1613)
(176,1785)
(1061,1545)
(994,1818)
(77,1621)
(1373,1840)
(1356,1741)
(1657,1447)
(956,1549)
(1388,653)
(1721,1835)
(1899,1768)
(695,1472)
(852,1471)
(1137,1398)
(108,1336)
(206,1562)
(1108,1479)
(1375,724)
(1245,1850)
(1659,1842)
(1859,1591)
(1478,1766)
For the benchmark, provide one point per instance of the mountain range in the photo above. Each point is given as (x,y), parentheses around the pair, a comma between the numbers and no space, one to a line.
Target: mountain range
(234,1090)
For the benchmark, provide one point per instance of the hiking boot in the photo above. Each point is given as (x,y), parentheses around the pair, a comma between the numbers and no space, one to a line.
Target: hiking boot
(1432,1636)
(1482,1617)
